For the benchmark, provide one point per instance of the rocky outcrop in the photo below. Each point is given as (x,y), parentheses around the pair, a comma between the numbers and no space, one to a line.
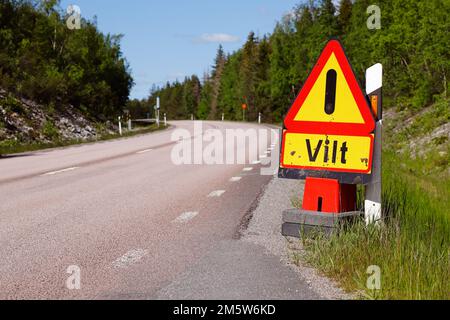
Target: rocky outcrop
(25,121)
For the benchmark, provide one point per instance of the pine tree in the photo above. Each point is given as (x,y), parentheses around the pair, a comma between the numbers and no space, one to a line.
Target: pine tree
(247,74)
(216,78)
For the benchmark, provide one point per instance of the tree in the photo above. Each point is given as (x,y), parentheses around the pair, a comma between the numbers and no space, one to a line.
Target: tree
(216,79)
(247,74)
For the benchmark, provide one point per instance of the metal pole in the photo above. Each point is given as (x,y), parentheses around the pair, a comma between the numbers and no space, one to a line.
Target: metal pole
(373,202)
(165,120)
(129,125)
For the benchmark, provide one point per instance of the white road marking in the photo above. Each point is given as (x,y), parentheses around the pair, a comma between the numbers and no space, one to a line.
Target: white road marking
(144,151)
(256,162)
(235,179)
(216,194)
(248,169)
(272,148)
(130,258)
(263,156)
(268,152)
(185,217)
(60,171)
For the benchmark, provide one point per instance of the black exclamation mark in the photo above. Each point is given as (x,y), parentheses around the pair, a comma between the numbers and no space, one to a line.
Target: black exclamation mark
(330,92)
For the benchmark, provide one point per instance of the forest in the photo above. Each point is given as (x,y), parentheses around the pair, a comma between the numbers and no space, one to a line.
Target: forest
(43,60)
(268,72)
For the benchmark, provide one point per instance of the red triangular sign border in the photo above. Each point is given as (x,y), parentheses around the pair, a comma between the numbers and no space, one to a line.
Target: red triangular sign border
(333,46)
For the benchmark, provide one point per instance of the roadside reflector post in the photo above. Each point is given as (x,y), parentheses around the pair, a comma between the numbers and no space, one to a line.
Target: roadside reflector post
(223,116)
(129,125)
(373,201)
(165,120)
(259,118)
(328,140)
(157,109)
(120,125)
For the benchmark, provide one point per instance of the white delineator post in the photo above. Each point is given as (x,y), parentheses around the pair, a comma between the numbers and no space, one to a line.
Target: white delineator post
(158,106)
(374,84)
(165,120)
(259,118)
(223,116)
(129,125)
(120,125)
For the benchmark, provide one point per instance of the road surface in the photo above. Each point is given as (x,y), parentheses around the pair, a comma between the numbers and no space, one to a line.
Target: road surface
(120,211)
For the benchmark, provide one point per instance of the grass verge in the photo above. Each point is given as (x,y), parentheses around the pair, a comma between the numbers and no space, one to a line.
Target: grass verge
(411,247)
(16,147)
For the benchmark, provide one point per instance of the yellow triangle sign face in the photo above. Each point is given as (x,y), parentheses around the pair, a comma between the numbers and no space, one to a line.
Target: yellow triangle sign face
(346,109)
(331,101)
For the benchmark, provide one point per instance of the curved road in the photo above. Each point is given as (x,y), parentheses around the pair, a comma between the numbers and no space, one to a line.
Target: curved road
(120,211)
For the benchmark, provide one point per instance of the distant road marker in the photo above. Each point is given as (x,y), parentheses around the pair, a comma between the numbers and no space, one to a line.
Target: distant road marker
(185,217)
(216,194)
(256,162)
(235,179)
(130,258)
(144,151)
(52,173)
(248,169)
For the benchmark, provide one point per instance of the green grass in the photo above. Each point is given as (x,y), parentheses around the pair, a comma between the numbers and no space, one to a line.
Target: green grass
(411,246)
(9,147)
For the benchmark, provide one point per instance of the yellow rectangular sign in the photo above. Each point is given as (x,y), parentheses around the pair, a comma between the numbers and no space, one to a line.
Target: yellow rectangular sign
(327,152)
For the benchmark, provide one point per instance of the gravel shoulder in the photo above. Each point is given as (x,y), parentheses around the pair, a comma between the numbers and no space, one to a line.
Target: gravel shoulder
(264,229)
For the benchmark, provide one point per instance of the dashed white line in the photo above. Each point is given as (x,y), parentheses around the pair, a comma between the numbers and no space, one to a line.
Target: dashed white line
(185,217)
(256,162)
(235,179)
(247,169)
(52,173)
(216,194)
(130,258)
(263,156)
(144,151)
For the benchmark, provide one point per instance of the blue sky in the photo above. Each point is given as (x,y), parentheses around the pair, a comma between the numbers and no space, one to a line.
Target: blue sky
(165,40)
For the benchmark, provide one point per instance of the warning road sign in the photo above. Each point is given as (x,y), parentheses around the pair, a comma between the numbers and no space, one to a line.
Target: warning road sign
(331,100)
(332,152)
(330,124)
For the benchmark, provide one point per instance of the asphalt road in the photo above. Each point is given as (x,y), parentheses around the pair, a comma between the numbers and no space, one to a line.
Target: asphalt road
(121,211)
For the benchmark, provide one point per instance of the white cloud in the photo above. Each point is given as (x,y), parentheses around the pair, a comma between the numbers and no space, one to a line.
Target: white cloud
(217,37)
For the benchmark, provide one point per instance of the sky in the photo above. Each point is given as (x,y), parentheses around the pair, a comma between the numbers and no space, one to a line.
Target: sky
(166,40)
